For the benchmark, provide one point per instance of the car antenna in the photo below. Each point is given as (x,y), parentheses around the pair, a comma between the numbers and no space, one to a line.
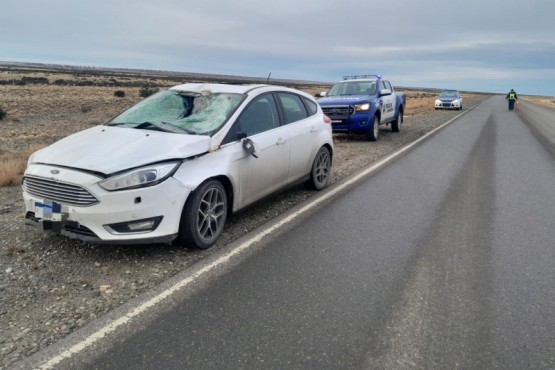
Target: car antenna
(268,79)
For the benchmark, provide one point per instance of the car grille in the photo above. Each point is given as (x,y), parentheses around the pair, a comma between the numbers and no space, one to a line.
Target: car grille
(58,191)
(446,104)
(338,111)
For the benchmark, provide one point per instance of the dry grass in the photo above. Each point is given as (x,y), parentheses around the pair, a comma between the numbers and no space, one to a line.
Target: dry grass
(545,101)
(12,165)
(418,105)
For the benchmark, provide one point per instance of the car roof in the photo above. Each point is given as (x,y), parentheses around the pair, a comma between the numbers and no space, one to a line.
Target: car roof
(230,88)
(236,89)
(216,88)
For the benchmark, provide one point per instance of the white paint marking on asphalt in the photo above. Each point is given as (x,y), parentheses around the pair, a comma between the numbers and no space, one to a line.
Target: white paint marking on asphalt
(101,333)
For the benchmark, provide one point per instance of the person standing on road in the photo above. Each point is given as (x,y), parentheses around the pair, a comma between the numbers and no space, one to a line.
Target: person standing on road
(512,97)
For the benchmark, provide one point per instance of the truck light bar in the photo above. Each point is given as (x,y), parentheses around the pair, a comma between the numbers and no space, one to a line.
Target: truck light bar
(360,76)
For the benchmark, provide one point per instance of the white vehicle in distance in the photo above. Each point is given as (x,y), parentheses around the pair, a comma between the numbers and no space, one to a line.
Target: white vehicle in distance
(449,99)
(172,167)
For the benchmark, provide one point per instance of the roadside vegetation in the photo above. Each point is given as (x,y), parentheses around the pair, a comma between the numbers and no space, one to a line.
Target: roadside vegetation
(12,166)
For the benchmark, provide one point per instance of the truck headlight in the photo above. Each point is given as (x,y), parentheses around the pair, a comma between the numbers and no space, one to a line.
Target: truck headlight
(140,177)
(362,107)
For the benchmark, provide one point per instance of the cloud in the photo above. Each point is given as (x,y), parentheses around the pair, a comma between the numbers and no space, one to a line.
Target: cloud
(429,42)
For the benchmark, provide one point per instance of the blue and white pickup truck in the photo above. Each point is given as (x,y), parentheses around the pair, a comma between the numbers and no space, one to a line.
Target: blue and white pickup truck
(360,104)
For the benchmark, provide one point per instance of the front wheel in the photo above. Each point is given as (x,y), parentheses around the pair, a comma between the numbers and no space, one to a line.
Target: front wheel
(320,172)
(374,131)
(204,215)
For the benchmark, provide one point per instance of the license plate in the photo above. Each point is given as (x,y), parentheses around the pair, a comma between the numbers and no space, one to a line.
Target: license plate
(48,210)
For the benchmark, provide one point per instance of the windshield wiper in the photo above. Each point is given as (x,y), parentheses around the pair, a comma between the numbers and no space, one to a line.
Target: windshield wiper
(163,126)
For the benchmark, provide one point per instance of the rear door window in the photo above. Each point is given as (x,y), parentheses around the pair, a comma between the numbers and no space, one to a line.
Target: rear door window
(293,107)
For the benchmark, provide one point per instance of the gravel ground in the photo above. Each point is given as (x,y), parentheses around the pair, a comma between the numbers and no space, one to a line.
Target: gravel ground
(51,286)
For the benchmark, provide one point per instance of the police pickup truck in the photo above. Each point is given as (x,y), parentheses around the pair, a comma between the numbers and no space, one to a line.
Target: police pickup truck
(360,104)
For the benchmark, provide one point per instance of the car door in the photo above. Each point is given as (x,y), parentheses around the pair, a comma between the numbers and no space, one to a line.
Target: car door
(267,173)
(302,132)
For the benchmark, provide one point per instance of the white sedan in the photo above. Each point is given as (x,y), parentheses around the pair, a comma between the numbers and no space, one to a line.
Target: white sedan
(172,167)
(449,99)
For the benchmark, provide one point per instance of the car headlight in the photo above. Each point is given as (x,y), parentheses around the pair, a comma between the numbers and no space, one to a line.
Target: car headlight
(438,102)
(140,177)
(362,107)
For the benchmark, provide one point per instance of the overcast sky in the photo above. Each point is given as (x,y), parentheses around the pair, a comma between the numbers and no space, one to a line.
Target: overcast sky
(477,45)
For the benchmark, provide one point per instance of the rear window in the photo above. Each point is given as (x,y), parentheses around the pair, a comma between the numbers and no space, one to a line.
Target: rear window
(311,106)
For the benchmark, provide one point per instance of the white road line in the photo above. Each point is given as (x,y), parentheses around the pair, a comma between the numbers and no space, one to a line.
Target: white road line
(114,325)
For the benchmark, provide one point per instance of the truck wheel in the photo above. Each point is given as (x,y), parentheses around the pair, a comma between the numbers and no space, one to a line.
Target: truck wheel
(374,131)
(204,215)
(396,125)
(320,172)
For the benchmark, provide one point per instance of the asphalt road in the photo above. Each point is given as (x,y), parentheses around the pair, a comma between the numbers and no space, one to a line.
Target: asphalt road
(443,259)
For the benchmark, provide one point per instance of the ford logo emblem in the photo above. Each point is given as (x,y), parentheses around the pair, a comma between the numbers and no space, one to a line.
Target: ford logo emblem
(54,172)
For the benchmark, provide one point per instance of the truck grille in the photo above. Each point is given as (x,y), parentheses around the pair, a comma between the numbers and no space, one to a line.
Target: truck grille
(58,191)
(338,112)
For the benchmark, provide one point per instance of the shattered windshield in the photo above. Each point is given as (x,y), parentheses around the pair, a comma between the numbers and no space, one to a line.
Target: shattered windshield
(353,88)
(181,112)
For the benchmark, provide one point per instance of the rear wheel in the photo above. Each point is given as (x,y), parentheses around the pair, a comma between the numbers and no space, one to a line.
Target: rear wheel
(396,125)
(374,131)
(204,215)
(320,173)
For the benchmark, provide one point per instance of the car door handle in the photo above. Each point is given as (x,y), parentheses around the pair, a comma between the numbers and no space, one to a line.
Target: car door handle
(280,141)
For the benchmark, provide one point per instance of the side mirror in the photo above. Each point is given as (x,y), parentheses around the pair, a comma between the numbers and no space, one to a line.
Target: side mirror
(249,147)
(385,92)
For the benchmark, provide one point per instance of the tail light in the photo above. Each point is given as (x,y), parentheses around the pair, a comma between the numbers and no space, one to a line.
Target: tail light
(327,119)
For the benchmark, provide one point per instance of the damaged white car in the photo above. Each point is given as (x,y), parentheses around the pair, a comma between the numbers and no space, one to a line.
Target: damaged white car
(174,166)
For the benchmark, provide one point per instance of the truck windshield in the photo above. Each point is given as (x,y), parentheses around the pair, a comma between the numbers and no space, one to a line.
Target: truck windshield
(186,111)
(353,88)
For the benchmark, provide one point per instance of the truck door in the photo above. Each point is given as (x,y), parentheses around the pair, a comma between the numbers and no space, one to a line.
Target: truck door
(388,102)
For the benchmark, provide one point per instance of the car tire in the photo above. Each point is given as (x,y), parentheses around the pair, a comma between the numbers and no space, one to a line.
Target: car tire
(321,169)
(204,215)
(374,131)
(396,124)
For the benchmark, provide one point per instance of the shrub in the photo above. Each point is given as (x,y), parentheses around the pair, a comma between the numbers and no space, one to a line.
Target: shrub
(147,91)
(34,80)
(119,93)
(3,113)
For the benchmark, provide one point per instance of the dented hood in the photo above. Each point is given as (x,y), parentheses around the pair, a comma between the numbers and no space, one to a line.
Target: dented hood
(108,149)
